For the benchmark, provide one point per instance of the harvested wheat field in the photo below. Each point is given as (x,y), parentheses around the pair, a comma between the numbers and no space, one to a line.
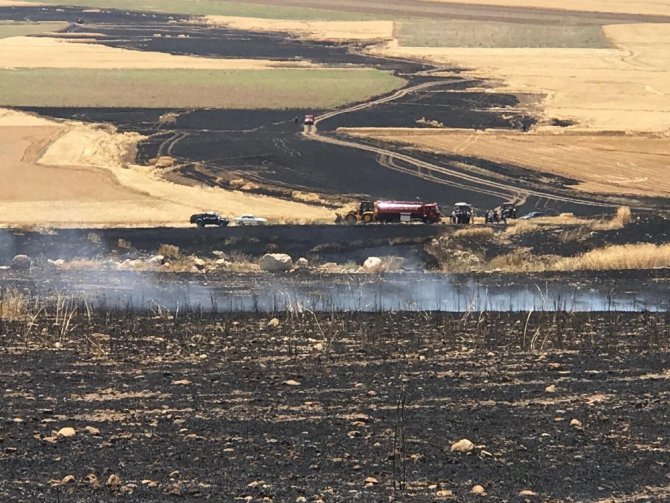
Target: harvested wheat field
(601,163)
(51,52)
(623,88)
(71,174)
(660,7)
(316,30)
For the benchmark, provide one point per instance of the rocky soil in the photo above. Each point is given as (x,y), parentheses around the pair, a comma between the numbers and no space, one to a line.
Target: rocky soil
(352,407)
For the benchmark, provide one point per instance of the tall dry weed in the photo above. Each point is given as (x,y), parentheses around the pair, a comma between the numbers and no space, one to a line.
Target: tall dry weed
(520,227)
(631,256)
(621,218)
(170,251)
(475,233)
(13,305)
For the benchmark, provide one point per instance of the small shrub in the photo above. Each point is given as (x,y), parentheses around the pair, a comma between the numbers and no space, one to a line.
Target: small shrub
(167,250)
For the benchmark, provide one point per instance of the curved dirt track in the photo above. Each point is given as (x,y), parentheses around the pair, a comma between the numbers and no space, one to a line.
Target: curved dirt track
(427,170)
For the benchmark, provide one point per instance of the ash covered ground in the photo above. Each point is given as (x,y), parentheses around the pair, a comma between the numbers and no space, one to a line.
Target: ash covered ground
(355,407)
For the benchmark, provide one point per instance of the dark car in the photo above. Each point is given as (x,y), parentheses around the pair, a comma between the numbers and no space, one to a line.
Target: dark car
(533,214)
(209,218)
(508,211)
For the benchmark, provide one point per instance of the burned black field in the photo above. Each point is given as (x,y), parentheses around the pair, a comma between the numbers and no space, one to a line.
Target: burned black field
(348,407)
(268,149)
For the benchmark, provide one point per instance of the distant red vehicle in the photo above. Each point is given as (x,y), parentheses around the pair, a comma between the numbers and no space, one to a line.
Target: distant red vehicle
(394,211)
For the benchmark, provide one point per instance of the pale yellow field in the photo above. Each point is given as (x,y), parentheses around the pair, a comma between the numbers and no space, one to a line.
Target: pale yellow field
(655,7)
(316,30)
(52,52)
(66,173)
(622,89)
(636,165)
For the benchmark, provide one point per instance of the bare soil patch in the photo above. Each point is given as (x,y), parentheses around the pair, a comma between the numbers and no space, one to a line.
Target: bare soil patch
(602,163)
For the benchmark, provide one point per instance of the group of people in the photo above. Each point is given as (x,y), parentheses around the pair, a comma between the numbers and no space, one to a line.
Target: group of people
(495,216)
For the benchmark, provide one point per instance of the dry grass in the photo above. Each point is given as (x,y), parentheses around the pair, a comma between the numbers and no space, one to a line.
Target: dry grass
(622,217)
(475,233)
(617,89)
(315,30)
(13,305)
(168,251)
(521,227)
(660,7)
(634,256)
(67,173)
(599,163)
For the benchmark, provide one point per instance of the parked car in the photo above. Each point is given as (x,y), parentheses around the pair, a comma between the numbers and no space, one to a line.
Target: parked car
(533,214)
(250,220)
(209,218)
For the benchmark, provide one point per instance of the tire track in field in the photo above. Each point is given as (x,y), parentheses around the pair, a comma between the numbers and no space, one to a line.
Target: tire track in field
(465,180)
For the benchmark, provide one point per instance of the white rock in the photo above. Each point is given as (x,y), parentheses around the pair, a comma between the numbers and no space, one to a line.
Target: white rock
(199,263)
(302,263)
(274,262)
(67,432)
(222,262)
(576,423)
(478,490)
(21,262)
(527,492)
(550,389)
(373,264)
(56,263)
(463,445)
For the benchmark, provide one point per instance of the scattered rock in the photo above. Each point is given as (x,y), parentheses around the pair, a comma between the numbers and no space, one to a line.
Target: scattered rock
(444,493)
(67,432)
(478,490)
(56,263)
(371,481)
(92,430)
(199,263)
(373,265)
(181,382)
(156,260)
(222,262)
(527,492)
(113,481)
(301,499)
(550,389)
(576,423)
(318,346)
(302,263)
(273,323)
(463,445)
(11,450)
(173,489)
(68,479)
(291,382)
(21,262)
(92,479)
(276,262)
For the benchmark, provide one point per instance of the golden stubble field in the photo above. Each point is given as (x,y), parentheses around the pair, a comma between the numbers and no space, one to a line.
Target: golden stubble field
(74,174)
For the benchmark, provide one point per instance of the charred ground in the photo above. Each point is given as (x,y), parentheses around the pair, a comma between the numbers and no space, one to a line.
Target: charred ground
(233,407)
(268,150)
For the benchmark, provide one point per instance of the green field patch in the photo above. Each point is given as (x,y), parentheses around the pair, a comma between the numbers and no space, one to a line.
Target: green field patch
(489,34)
(215,7)
(12,29)
(274,89)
